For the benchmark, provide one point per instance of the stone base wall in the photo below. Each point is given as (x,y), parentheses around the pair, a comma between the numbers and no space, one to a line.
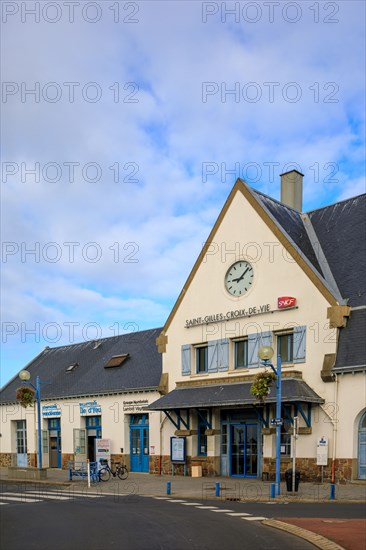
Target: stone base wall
(65,460)
(6,459)
(309,469)
(162,465)
(122,459)
(32,460)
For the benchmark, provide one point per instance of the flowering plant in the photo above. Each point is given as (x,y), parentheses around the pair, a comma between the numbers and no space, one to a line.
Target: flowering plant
(262,384)
(25,396)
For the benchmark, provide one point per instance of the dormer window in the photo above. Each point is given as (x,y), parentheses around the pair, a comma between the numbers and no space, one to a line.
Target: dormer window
(117,360)
(72,367)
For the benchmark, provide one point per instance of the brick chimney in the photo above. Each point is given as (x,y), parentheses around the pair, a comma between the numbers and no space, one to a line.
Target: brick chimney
(291,189)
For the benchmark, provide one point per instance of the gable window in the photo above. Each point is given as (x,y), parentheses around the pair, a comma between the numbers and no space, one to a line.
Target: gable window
(241,353)
(291,345)
(201,359)
(285,347)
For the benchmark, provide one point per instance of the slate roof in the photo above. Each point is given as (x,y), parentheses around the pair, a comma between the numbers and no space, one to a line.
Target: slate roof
(141,370)
(341,230)
(293,390)
(290,220)
(351,354)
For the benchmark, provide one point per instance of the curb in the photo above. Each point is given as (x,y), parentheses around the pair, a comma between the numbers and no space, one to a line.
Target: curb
(36,481)
(317,540)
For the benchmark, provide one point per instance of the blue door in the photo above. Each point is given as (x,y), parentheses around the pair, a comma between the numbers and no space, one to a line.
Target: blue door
(54,430)
(21,442)
(362,448)
(139,443)
(244,450)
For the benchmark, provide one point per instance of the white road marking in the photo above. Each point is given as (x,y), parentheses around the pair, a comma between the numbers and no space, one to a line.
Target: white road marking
(251,518)
(191,503)
(239,514)
(177,500)
(222,511)
(20,499)
(161,498)
(53,496)
(206,507)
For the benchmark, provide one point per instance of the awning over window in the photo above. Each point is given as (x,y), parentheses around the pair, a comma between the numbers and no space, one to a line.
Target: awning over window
(293,390)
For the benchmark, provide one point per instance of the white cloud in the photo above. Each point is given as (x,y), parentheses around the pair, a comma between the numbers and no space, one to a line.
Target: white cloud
(162,141)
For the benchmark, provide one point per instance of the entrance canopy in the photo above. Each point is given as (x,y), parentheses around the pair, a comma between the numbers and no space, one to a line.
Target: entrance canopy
(293,391)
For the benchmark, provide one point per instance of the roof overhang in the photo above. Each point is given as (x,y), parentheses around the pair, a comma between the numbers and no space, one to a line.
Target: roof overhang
(229,395)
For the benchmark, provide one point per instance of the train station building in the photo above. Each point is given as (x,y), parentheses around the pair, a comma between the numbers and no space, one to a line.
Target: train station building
(268,275)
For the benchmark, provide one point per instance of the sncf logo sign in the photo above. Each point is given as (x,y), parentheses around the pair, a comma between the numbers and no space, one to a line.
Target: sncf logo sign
(285,301)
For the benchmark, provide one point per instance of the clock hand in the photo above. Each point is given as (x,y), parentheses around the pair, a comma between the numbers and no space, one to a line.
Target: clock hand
(241,277)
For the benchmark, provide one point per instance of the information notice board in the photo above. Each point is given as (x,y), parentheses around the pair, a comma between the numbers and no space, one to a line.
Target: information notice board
(178,450)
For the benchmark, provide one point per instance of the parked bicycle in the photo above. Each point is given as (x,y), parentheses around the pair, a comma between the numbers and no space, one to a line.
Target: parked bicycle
(105,472)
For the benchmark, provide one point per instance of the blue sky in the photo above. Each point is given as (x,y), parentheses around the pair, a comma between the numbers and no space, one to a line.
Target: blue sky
(142,115)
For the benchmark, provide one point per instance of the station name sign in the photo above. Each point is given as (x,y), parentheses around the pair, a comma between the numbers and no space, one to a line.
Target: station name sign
(51,411)
(228,316)
(90,407)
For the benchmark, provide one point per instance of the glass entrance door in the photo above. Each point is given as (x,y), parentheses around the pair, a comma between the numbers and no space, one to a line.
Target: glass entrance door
(21,443)
(244,450)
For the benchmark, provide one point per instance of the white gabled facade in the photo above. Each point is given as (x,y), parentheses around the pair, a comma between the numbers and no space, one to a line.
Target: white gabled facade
(210,331)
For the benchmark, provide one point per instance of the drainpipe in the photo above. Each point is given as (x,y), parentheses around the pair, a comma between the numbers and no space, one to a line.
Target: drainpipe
(161,441)
(335,420)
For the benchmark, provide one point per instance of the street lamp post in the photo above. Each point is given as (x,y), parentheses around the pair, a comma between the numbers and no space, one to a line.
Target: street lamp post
(266,353)
(24,375)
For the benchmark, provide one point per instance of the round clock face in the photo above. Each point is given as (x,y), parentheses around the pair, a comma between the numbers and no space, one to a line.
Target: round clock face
(239,278)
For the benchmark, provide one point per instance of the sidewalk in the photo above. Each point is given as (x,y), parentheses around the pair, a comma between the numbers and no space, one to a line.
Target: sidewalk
(205,487)
(330,534)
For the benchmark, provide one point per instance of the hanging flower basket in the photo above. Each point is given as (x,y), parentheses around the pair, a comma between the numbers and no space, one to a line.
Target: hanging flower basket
(261,386)
(25,396)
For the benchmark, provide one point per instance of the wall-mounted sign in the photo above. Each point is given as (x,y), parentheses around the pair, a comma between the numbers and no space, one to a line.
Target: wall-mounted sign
(51,411)
(152,449)
(178,449)
(286,301)
(228,316)
(322,452)
(102,450)
(90,407)
(135,405)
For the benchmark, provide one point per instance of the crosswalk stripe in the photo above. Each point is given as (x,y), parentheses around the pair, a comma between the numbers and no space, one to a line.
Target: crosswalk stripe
(252,518)
(20,499)
(3,503)
(222,511)
(206,507)
(161,498)
(239,514)
(177,500)
(46,496)
(191,503)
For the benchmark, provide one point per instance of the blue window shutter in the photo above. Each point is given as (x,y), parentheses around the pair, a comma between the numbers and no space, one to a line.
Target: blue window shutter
(299,344)
(212,350)
(253,346)
(186,360)
(266,339)
(223,354)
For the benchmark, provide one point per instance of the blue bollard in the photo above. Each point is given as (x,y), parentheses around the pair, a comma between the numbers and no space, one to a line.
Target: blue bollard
(168,488)
(332,491)
(273,490)
(217,489)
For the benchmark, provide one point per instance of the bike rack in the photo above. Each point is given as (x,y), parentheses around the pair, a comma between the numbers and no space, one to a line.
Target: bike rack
(80,469)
